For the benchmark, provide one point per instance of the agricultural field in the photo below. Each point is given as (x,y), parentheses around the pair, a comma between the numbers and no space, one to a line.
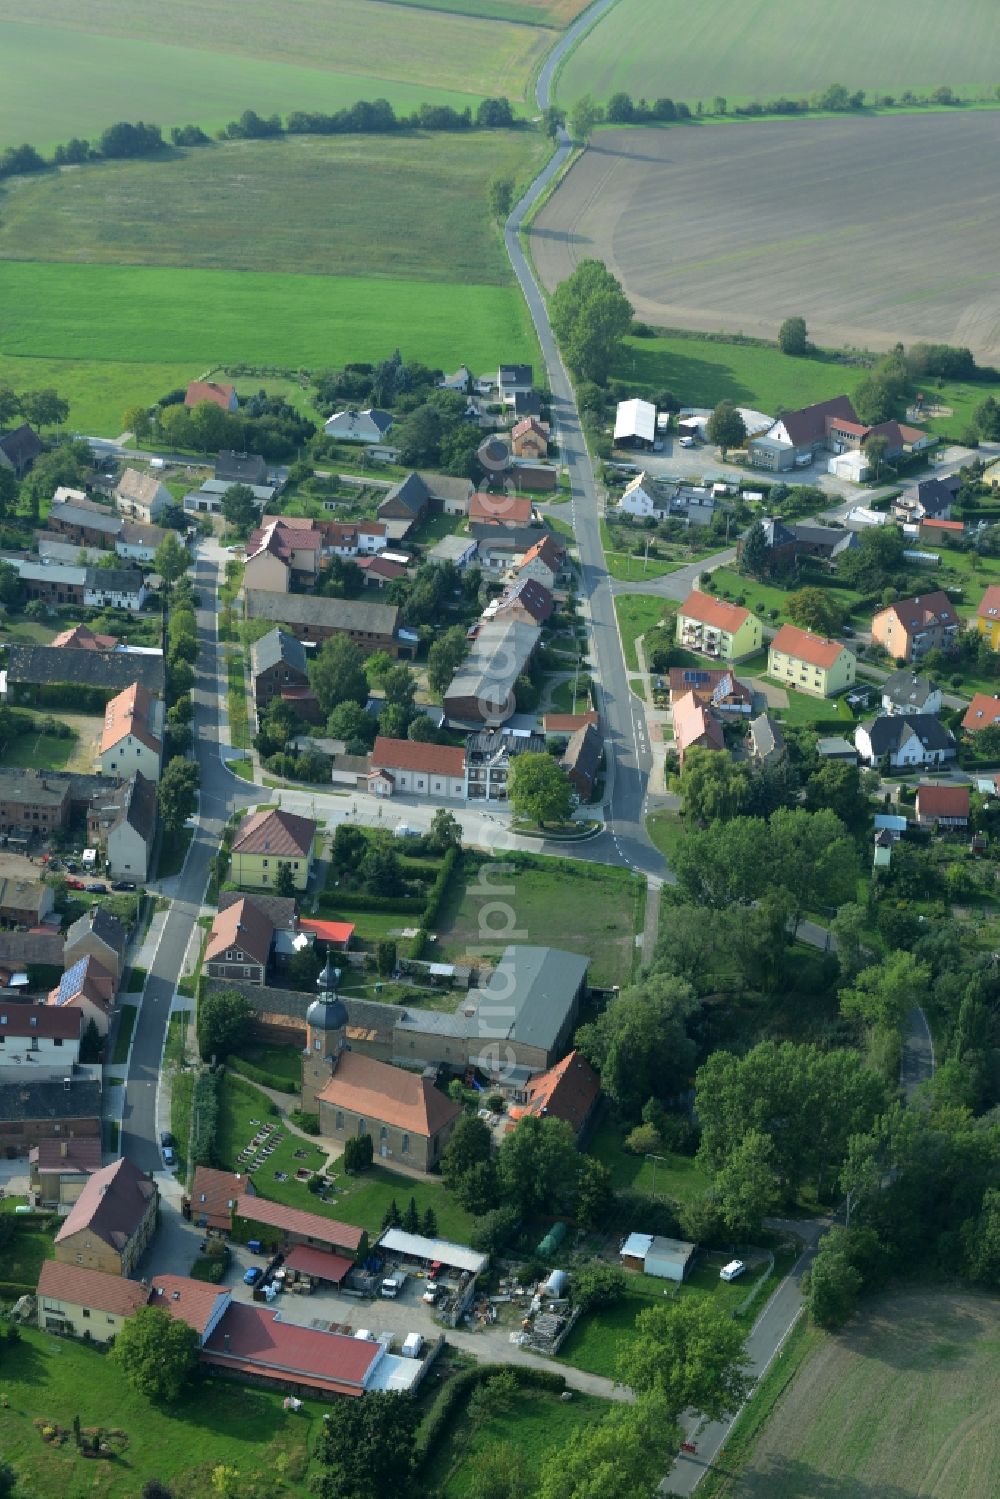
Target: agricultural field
(666,47)
(75,68)
(731,230)
(70,323)
(902,1402)
(321,205)
(529,12)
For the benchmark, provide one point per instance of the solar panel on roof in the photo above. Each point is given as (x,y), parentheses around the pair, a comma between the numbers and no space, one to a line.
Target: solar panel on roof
(70,982)
(696,678)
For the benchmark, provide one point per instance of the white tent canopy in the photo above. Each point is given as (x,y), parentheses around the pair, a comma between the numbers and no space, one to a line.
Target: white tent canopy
(455,1256)
(635,419)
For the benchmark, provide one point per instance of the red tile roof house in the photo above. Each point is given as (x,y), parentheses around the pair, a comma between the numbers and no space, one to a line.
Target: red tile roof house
(982,713)
(266,840)
(88,987)
(570,1090)
(239,943)
(88,1303)
(211,390)
(58,1169)
(427,770)
(501,510)
(200,1305)
(943,531)
(695,727)
(112,1220)
(948,806)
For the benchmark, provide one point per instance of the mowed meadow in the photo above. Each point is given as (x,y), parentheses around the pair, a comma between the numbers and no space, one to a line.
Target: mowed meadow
(653,48)
(122,280)
(71,67)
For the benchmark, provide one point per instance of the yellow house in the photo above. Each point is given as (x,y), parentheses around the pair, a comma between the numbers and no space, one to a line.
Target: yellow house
(988,616)
(809,663)
(726,632)
(268,841)
(112,1221)
(86,1303)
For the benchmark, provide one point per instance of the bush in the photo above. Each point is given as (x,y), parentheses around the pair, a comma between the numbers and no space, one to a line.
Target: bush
(440,885)
(261,1075)
(308,1123)
(456,1393)
(597,1284)
(205,1118)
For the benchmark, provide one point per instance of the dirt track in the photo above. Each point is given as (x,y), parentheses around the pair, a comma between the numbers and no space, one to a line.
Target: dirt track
(875,230)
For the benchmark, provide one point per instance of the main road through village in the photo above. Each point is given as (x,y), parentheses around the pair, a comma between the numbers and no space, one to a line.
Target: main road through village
(629,762)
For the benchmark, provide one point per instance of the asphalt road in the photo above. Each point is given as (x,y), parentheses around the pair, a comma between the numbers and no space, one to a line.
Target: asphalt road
(627,743)
(221,792)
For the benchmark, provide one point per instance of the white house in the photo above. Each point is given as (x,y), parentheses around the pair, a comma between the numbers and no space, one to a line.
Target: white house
(142,496)
(132,738)
(514,380)
(367,426)
(461,380)
(115,588)
(640,499)
(434,771)
(908,740)
(37,1040)
(137,542)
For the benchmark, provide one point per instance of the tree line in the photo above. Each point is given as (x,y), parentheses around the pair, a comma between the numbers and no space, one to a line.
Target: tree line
(366,117)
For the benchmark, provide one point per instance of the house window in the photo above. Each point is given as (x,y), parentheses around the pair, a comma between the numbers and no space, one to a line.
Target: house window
(361,1127)
(383,1134)
(86,1311)
(340,1119)
(406,1144)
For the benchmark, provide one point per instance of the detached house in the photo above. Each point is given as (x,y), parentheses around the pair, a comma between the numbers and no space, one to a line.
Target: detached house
(982,713)
(988,616)
(641,499)
(530,438)
(241,468)
(696,726)
(907,739)
(132,739)
(406,765)
(239,944)
(292,540)
(809,663)
(514,380)
(267,840)
(906,692)
(544,561)
(112,1221)
(19,449)
(223,396)
(909,628)
(717,628)
(142,496)
(370,426)
(947,806)
(277,662)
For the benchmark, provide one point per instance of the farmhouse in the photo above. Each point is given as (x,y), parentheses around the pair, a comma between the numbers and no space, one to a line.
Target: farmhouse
(266,841)
(59,1169)
(406,765)
(77,519)
(96,587)
(223,396)
(635,424)
(947,806)
(907,739)
(404,506)
(354,538)
(501,510)
(88,988)
(33,803)
(982,713)
(240,468)
(530,438)
(277,661)
(132,738)
(372,626)
(369,426)
(909,628)
(111,1222)
(87,1303)
(819,667)
(142,496)
(137,542)
(33,1110)
(569,1091)
(122,821)
(717,628)
(296,543)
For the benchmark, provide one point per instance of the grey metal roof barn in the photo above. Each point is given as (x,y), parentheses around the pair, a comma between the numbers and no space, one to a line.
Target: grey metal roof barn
(277,648)
(332,614)
(530,996)
(46,665)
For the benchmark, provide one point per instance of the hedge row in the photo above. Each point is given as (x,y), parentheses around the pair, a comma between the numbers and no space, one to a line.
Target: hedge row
(204,1118)
(457,1391)
(404,905)
(260,1075)
(436,893)
(15,1288)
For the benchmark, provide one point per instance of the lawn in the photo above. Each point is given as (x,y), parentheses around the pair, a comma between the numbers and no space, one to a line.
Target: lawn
(629,569)
(637,613)
(643,46)
(239,728)
(536,1422)
(828,715)
(674,1176)
(705,371)
(666,830)
(361,1200)
(73,69)
(24,1255)
(39,751)
(585,908)
(79,315)
(215,1422)
(126,1025)
(282,1063)
(902,1401)
(563,701)
(320,205)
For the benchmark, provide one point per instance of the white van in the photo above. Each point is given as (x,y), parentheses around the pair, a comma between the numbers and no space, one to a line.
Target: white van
(732,1271)
(390,1288)
(686,442)
(413,1345)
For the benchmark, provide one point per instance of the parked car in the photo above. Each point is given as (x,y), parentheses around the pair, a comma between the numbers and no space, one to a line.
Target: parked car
(124,885)
(97,888)
(71,865)
(253,1275)
(166,1138)
(431,1295)
(169,1159)
(75,885)
(732,1271)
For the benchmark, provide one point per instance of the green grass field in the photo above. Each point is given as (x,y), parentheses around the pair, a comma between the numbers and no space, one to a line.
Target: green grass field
(637,613)
(126,1025)
(676,1176)
(704,371)
(585,908)
(901,1402)
(529,12)
(74,326)
(72,68)
(305,204)
(657,47)
(39,751)
(536,1422)
(214,1422)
